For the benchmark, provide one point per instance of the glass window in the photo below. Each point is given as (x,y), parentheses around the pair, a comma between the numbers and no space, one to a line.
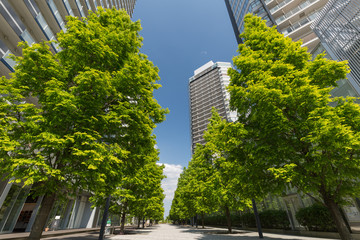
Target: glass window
(11,207)
(80,7)
(56,14)
(88,4)
(68,7)
(25,36)
(33,8)
(9,63)
(14,21)
(11,17)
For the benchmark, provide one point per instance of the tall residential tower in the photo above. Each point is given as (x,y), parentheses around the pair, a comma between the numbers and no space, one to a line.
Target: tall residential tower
(237,10)
(208,89)
(338,30)
(292,17)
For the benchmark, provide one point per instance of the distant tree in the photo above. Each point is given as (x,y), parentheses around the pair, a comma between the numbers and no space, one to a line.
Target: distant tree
(228,177)
(201,183)
(211,182)
(283,100)
(183,206)
(141,194)
(95,108)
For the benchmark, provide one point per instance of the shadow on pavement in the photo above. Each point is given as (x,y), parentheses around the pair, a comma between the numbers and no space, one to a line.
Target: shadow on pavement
(219,234)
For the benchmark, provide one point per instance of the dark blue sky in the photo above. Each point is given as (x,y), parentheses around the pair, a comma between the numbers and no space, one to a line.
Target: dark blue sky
(180,36)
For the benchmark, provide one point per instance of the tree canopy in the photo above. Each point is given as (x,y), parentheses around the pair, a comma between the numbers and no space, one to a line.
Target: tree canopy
(296,130)
(94,113)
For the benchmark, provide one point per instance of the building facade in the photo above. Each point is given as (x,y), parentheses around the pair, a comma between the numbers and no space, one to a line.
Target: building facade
(237,10)
(338,28)
(208,89)
(294,18)
(39,20)
(34,21)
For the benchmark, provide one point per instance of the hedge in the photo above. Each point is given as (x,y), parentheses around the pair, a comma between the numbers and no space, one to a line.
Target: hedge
(316,218)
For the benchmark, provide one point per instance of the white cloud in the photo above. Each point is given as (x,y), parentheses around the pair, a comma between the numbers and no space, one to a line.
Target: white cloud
(172,173)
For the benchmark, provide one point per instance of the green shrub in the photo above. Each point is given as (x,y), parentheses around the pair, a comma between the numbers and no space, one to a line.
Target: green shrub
(268,218)
(248,219)
(316,218)
(219,219)
(274,219)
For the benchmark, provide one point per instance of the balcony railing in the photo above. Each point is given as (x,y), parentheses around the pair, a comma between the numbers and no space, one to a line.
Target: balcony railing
(295,10)
(280,5)
(300,23)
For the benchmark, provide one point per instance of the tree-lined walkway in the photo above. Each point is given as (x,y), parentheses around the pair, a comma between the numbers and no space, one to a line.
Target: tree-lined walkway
(175,232)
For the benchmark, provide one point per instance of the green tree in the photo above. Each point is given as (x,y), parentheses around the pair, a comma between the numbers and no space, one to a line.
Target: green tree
(95,109)
(144,196)
(283,100)
(183,206)
(200,182)
(228,174)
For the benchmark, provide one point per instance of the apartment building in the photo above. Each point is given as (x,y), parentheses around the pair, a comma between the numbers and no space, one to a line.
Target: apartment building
(208,89)
(294,17)
(337,27)
(237,10)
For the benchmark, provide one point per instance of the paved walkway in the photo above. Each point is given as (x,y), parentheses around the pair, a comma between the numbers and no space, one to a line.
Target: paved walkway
(174,232)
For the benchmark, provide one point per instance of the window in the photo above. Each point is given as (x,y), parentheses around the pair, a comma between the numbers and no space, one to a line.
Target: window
(102,4)
(80,7)
(14,21)
(33,8)
(56,14)
(4,57)
(88,4)
(68,7)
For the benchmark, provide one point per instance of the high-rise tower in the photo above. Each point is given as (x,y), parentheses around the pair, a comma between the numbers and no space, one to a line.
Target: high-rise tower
(337,27)
(38,20)
(294,17)
(208,89)
(237,10)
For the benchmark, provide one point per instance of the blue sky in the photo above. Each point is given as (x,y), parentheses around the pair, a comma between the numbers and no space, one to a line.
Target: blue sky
(180,36)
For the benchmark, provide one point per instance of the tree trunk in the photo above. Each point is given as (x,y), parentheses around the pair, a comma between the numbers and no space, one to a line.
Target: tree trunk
(143,226)
(139,221)
(202,220)
(122,224)
(338,219)
(42,216)
(228,219)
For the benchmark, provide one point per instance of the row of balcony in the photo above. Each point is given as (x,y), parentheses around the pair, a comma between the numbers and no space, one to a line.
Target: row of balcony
(295,10)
